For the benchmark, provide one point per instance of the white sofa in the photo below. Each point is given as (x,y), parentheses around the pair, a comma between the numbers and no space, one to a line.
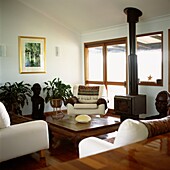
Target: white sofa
(21,139)
(87,100)
(130,131)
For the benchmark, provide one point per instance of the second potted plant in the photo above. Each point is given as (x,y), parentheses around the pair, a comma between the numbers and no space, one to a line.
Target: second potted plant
(15,96)
(56,91)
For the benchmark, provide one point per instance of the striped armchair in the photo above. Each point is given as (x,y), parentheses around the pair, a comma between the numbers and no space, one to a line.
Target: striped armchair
(87,100)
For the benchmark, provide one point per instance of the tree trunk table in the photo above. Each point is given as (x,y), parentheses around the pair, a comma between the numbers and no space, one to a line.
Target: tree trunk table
(67,127)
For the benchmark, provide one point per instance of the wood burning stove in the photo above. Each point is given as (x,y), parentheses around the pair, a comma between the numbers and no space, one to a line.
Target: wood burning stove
(130,106)
(133,104)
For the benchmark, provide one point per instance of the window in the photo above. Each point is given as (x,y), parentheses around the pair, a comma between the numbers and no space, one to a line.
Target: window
(105,63)
(95,64)
(149,53)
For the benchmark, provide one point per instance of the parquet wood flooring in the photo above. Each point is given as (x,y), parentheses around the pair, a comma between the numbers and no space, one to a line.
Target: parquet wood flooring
(64,152)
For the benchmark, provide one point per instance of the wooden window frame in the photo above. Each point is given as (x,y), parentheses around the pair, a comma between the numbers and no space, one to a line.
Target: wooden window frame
(154,83)
(103,43)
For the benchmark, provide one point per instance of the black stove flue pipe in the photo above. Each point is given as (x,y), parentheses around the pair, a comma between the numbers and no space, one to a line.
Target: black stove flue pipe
(133,15)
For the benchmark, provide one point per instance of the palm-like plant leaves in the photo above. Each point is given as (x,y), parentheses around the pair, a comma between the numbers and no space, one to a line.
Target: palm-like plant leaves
(15,96)
(56,89)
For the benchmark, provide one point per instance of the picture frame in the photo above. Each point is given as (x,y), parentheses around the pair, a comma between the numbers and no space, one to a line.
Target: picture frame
(32,54)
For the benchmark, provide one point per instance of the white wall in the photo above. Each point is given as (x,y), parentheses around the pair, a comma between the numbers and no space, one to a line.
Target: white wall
(20,20)
(162,24)
(0,39)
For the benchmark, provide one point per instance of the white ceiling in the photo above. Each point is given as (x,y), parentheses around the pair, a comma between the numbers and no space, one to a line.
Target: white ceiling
(84,16)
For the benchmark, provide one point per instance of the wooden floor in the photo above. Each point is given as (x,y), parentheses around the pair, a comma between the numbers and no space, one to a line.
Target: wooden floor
(65,151)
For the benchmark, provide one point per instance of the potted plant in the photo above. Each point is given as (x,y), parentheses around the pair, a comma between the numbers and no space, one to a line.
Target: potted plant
(56,92)
(15,96)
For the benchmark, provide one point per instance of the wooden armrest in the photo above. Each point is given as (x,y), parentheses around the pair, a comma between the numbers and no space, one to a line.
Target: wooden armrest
(72,100)
(157,126)
(102,101)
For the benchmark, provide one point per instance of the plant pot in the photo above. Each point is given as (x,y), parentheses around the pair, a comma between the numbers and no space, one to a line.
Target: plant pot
(56,103)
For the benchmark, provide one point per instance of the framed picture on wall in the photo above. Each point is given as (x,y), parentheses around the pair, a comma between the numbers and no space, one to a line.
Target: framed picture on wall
(32,54)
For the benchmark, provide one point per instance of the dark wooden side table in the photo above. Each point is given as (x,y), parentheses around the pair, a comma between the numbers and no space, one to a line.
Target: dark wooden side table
(15,119)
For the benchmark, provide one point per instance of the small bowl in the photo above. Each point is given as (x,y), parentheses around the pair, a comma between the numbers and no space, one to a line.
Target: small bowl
(83,119)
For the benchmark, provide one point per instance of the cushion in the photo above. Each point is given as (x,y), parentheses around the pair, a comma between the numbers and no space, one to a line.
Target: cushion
(85,106)
(88,90)
(83,118)
(4,116)
(130,131)
(87,99)
(88,94)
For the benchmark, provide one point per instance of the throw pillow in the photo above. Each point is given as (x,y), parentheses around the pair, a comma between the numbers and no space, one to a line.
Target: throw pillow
(4,116)
(130,131)
(88,94)
(88,90)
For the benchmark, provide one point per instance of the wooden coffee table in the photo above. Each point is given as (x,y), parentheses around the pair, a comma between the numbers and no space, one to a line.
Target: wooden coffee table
(67,127)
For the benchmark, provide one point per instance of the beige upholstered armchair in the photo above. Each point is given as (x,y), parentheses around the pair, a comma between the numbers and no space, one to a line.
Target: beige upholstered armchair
(87,100)
(21,139)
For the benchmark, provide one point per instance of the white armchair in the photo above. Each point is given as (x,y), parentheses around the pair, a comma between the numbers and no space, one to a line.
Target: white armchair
(87,100)
(21,139)
(130,131)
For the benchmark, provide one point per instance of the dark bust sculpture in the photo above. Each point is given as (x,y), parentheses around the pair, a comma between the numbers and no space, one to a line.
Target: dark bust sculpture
(37,103)
(162,103)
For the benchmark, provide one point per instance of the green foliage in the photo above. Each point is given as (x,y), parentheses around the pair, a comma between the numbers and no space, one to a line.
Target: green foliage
(32,54)
(14,96)
(56,89)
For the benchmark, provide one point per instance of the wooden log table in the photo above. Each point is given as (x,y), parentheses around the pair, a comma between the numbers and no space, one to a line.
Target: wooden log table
(67,127)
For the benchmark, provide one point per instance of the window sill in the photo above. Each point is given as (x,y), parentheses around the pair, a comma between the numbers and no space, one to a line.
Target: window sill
(148,83)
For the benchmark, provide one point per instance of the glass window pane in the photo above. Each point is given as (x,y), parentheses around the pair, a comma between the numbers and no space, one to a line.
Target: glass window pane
(149,53)
(116,63)
(105,63)
(95,64)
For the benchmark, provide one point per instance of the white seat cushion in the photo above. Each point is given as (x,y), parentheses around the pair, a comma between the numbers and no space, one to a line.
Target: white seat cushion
(4,116)
(130,131)
(93,145)
(85,106)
